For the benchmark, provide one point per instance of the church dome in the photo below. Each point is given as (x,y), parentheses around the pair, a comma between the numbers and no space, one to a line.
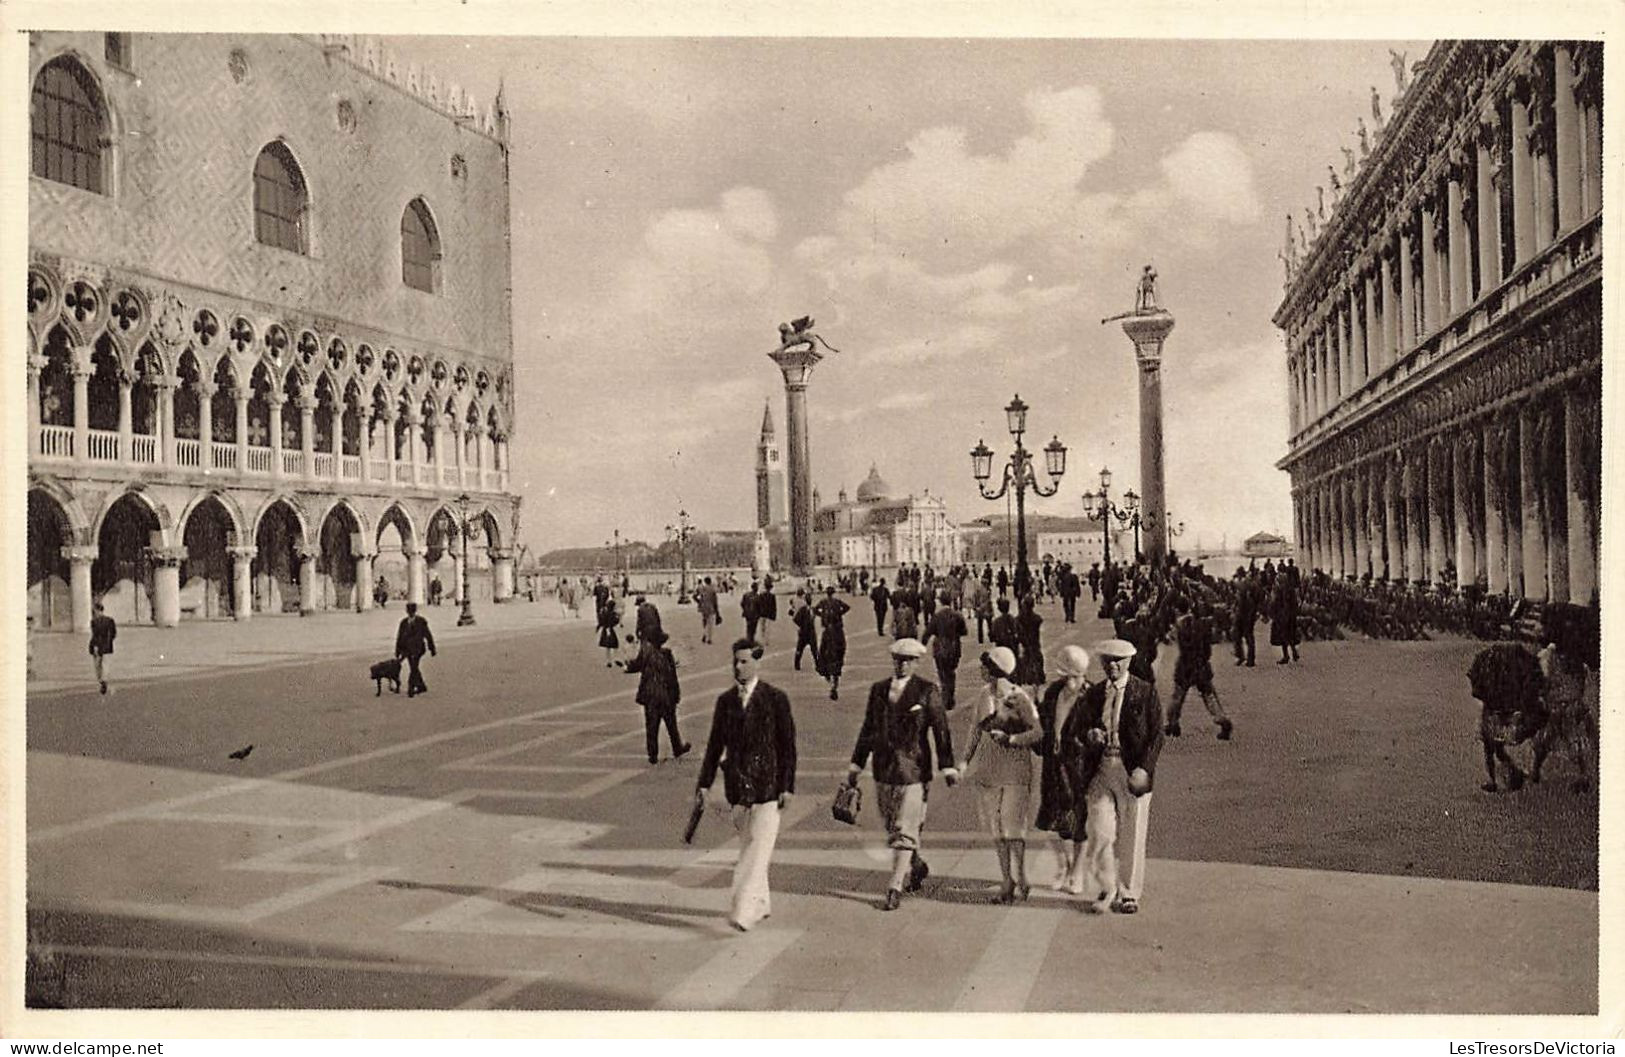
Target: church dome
(873,487)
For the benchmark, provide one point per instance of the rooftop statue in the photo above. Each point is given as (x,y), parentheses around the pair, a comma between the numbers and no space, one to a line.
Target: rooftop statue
(1348,161)
(1365,140)
(1376,106)
(1337,185)
(1396,59)
(1320,205)
(800,332)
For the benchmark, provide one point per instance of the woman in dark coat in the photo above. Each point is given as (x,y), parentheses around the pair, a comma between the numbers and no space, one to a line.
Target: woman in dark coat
(1059,811)
(1284,618)
(609,620)
(658,693)
(1029,652)
(832,646)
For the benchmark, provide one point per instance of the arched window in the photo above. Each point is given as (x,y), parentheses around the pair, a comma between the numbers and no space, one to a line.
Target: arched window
(420,248)
(67,126)
(280,201)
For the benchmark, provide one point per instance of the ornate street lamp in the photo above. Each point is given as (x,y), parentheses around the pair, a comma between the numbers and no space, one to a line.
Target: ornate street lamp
(466,617)
(1019,471)
(1136,518)
(1098,506)
(615,567)
(680,533)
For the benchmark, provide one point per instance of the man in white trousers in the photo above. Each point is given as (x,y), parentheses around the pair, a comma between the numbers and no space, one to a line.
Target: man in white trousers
(1109,749)
(753,739)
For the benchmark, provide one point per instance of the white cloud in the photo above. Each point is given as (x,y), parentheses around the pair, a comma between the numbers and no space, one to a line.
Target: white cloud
(1211,173)
(749,211)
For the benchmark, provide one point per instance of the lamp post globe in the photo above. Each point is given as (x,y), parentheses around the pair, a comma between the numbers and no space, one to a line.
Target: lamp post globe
(1019,473)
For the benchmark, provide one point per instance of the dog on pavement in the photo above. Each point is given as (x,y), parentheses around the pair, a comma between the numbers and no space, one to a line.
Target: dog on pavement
(391,670)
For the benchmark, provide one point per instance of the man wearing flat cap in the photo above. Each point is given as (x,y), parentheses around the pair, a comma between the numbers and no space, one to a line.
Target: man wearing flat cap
(903,716)
(1110,742)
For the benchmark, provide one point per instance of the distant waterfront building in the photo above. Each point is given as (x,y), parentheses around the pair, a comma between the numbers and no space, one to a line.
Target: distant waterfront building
(269,331)
(1265,545)
(1444,333)
(1079,542)
(771,502)
(879,531)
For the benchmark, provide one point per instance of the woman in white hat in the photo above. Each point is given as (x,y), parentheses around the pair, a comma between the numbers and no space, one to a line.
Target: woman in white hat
(1000,764)
(1059,812)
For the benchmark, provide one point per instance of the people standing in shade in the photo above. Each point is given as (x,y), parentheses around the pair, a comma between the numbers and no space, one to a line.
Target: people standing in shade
(412,638)
(1109,746)
(999,763)
(942,633)
(658,692)
(801,614)
(753,741)
(831,613)
(1194,667)
(750,609)
(103,630)
(1248,597)
(981,604)
(1030,649)
(902,720)
(881,599)
(1003,631)
(1284,618)
(609,636)
(1058,811)
(767,612)
(705,600)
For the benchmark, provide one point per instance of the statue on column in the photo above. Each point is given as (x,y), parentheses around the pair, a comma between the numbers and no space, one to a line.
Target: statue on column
(800,332)
(1145,296)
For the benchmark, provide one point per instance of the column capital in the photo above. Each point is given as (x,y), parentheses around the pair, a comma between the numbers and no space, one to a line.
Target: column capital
(243,553)
(81,554)
(309,554)
(166,556)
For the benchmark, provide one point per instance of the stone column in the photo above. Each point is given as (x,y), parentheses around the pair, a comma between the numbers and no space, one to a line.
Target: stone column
(126,430)
(1554,501)
(307,445)
(1347,343)
(1512,504)
(1325,355)
(1523,175)
(369,433)
(1533,530)
(276,401)
(1461,452)
(1588,89)
(416,574)
(82,370)
(1582,438)
(242,578)
(338,439)
(307,578)
(1413,484)
(459,438)
(1567,137)
(1390,313)
(1391,495)
(1351,524)
(459,561)
(1334,526)
(1494,445)
(1438,484)
(1460,271)
(1431,312)
(165,392)
(1368,346)
(36,364)
(1489,208)
(205,426)
(796,363)
(439,453)
(1540,151)
(1148,330)
(414,440)
(241,396)
(501,575)
(80,599)
(1328,521)
(363,581)
(1408,328)
(1362,521)
(166,585)
(389,446)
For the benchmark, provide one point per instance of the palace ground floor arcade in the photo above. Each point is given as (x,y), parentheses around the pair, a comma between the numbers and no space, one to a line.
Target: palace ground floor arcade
(1488,475)
(158,553)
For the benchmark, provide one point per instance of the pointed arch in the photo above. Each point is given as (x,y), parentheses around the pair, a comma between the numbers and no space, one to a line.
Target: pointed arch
(299,516)
(233,509)
(144,496)
(281,199)
(73,126)
(398,515)
(80,526)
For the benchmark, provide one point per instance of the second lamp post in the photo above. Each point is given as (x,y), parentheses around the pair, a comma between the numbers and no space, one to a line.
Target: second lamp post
(1020,473)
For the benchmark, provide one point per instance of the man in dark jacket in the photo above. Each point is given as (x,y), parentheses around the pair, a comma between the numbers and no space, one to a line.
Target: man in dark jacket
(748,609)
(1068,587)
(1194,667)
(900,722)
(103,630)
(942,633)
(411,639)
(1110,744)
(1003,630)
(1248,597)
(658,692)
(881,598)
(767,612)
(648,619)
(753,740)
(806,627)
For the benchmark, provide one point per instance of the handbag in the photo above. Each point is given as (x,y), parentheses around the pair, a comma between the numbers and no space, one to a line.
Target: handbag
(848,802)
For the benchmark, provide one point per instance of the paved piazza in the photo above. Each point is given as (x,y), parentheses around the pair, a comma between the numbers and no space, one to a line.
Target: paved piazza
(502,844)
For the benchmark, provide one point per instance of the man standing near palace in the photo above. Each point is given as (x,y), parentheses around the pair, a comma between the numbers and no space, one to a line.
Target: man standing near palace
(1109,749)
(705,600)
(901,720)
(753,739)
(103,630)
(411,639)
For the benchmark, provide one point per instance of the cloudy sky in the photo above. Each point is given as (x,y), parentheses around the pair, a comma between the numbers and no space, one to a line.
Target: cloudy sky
(958,215)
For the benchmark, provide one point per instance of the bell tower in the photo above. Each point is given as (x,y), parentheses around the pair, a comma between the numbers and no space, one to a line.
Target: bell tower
(770,484)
